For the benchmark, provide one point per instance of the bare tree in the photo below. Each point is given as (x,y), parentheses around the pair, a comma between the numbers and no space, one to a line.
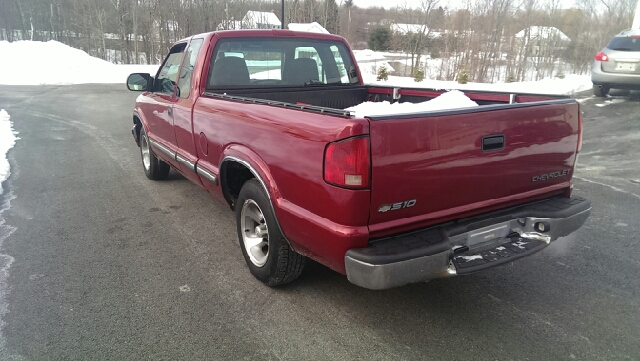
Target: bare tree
(481,38)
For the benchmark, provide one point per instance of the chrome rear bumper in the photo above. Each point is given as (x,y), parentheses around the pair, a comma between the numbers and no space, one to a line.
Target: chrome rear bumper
(465,246)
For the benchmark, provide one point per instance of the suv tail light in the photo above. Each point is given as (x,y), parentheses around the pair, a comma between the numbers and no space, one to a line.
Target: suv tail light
(347,163)
(601,56)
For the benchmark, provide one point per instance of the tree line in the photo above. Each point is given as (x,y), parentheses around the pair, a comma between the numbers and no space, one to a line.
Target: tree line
(503,40)
(490,39)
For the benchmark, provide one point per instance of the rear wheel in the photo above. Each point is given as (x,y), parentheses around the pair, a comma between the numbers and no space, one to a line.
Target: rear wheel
(154,168)
(269,257)
(600,90)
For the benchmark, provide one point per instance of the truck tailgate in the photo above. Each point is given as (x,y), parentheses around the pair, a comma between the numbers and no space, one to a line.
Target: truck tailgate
(433,166)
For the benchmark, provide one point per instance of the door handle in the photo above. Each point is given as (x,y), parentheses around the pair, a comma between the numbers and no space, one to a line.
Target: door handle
(170,111)
(492,142)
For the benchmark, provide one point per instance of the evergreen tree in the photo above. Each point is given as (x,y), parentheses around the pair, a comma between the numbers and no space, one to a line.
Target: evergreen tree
(380,39)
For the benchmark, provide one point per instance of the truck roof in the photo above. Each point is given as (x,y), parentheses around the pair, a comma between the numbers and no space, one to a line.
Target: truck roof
(243,33)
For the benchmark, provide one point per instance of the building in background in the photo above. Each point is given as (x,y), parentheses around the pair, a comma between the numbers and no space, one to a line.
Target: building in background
(261,20)
(313,27)
(543,40)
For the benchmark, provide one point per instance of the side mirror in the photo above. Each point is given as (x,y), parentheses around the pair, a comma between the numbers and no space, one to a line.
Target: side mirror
(139,82)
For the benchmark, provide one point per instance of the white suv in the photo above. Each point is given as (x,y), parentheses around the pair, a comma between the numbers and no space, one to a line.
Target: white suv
(618,64)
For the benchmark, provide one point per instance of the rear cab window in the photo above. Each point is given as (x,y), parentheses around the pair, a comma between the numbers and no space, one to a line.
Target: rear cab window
(290,62)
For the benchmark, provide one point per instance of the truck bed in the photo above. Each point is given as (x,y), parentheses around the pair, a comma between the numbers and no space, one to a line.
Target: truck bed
(452,163)
(342,97)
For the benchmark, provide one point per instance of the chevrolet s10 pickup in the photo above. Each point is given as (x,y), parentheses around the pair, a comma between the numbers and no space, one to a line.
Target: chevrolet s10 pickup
(260,119)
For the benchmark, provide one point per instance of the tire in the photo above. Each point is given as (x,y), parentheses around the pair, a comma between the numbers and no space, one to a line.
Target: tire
(600,90)
(154,168)
(268,254)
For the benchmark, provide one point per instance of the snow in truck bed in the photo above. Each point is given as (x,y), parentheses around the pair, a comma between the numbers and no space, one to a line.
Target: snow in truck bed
(453,99)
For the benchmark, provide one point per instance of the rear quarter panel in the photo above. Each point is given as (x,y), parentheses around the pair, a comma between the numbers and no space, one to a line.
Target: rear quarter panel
(287,147)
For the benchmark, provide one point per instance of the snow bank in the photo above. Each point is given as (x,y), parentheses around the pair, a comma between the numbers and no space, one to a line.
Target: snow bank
(368,55)
(7,141)
(570,84)
(450,100)
(36,62)
(370,61)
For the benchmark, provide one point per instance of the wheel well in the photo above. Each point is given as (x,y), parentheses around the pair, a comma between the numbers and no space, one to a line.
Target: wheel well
(233,175)
(138,126)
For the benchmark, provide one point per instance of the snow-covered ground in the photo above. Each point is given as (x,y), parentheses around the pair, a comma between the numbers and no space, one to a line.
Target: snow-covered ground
(369,61)
(35,62)
(569,85)
(7,141)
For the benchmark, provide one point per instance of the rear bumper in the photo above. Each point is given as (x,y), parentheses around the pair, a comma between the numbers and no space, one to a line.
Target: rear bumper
(465,246)
(613,80)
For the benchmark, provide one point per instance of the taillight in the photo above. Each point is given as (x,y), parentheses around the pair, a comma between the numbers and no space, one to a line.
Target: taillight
(601,56)
(347,164)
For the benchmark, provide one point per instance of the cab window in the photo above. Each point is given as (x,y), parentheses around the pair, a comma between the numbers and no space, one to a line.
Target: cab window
(168,73)
(186,71)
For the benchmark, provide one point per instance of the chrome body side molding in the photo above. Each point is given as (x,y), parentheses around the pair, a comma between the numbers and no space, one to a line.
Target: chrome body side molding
(185,162)
(206,174)
(167,152)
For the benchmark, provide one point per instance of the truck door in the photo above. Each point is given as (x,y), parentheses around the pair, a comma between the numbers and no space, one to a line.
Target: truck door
(162,97)
(186,95)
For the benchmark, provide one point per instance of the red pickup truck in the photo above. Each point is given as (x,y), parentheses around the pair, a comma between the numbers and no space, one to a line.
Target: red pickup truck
(257,118)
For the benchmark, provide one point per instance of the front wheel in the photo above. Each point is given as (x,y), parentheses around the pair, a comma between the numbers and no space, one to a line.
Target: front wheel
(269,257)
(154,168)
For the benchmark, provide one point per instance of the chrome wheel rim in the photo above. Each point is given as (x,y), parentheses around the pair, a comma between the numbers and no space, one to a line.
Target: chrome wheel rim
(146,152)
(255,233)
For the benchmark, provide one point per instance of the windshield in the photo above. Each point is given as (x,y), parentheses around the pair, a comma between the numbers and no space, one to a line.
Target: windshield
(267,62)
(624,44)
